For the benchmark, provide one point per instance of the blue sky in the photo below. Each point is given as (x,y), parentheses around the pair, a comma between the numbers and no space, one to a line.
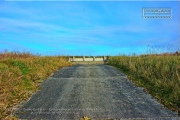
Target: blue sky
(87,28)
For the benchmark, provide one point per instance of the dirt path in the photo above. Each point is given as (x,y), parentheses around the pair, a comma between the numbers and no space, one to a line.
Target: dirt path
(96,91)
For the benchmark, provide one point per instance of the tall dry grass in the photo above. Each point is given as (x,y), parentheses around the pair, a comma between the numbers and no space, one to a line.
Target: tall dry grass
(21,75)
(160,75)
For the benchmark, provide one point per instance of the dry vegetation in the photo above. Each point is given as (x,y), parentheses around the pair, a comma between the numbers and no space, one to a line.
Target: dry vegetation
(158,74)
(21,75)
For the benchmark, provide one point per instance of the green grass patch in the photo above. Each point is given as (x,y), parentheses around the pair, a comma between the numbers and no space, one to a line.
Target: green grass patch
(20,64)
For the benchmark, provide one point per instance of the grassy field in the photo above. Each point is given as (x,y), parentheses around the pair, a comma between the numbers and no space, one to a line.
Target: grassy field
(159,75)
(21,75)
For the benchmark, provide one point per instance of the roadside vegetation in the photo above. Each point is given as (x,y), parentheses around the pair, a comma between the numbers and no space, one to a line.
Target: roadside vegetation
(158,74)
(21,75)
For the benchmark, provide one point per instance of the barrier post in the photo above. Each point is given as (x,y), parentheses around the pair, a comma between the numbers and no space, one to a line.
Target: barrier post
(93,58)
(83,58)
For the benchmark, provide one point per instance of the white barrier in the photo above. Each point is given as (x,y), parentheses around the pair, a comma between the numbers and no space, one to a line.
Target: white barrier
(88,59)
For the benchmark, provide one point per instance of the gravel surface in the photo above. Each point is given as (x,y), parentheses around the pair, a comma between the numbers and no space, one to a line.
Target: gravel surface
(96,91)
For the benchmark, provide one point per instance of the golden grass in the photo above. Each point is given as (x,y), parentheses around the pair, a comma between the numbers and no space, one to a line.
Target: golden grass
(21,75)
(160,75)
(85,118)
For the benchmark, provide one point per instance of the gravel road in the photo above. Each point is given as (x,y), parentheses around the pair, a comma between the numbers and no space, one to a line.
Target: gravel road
(96,91)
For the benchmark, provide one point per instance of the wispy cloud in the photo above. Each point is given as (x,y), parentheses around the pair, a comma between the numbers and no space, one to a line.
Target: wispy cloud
(91,27)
